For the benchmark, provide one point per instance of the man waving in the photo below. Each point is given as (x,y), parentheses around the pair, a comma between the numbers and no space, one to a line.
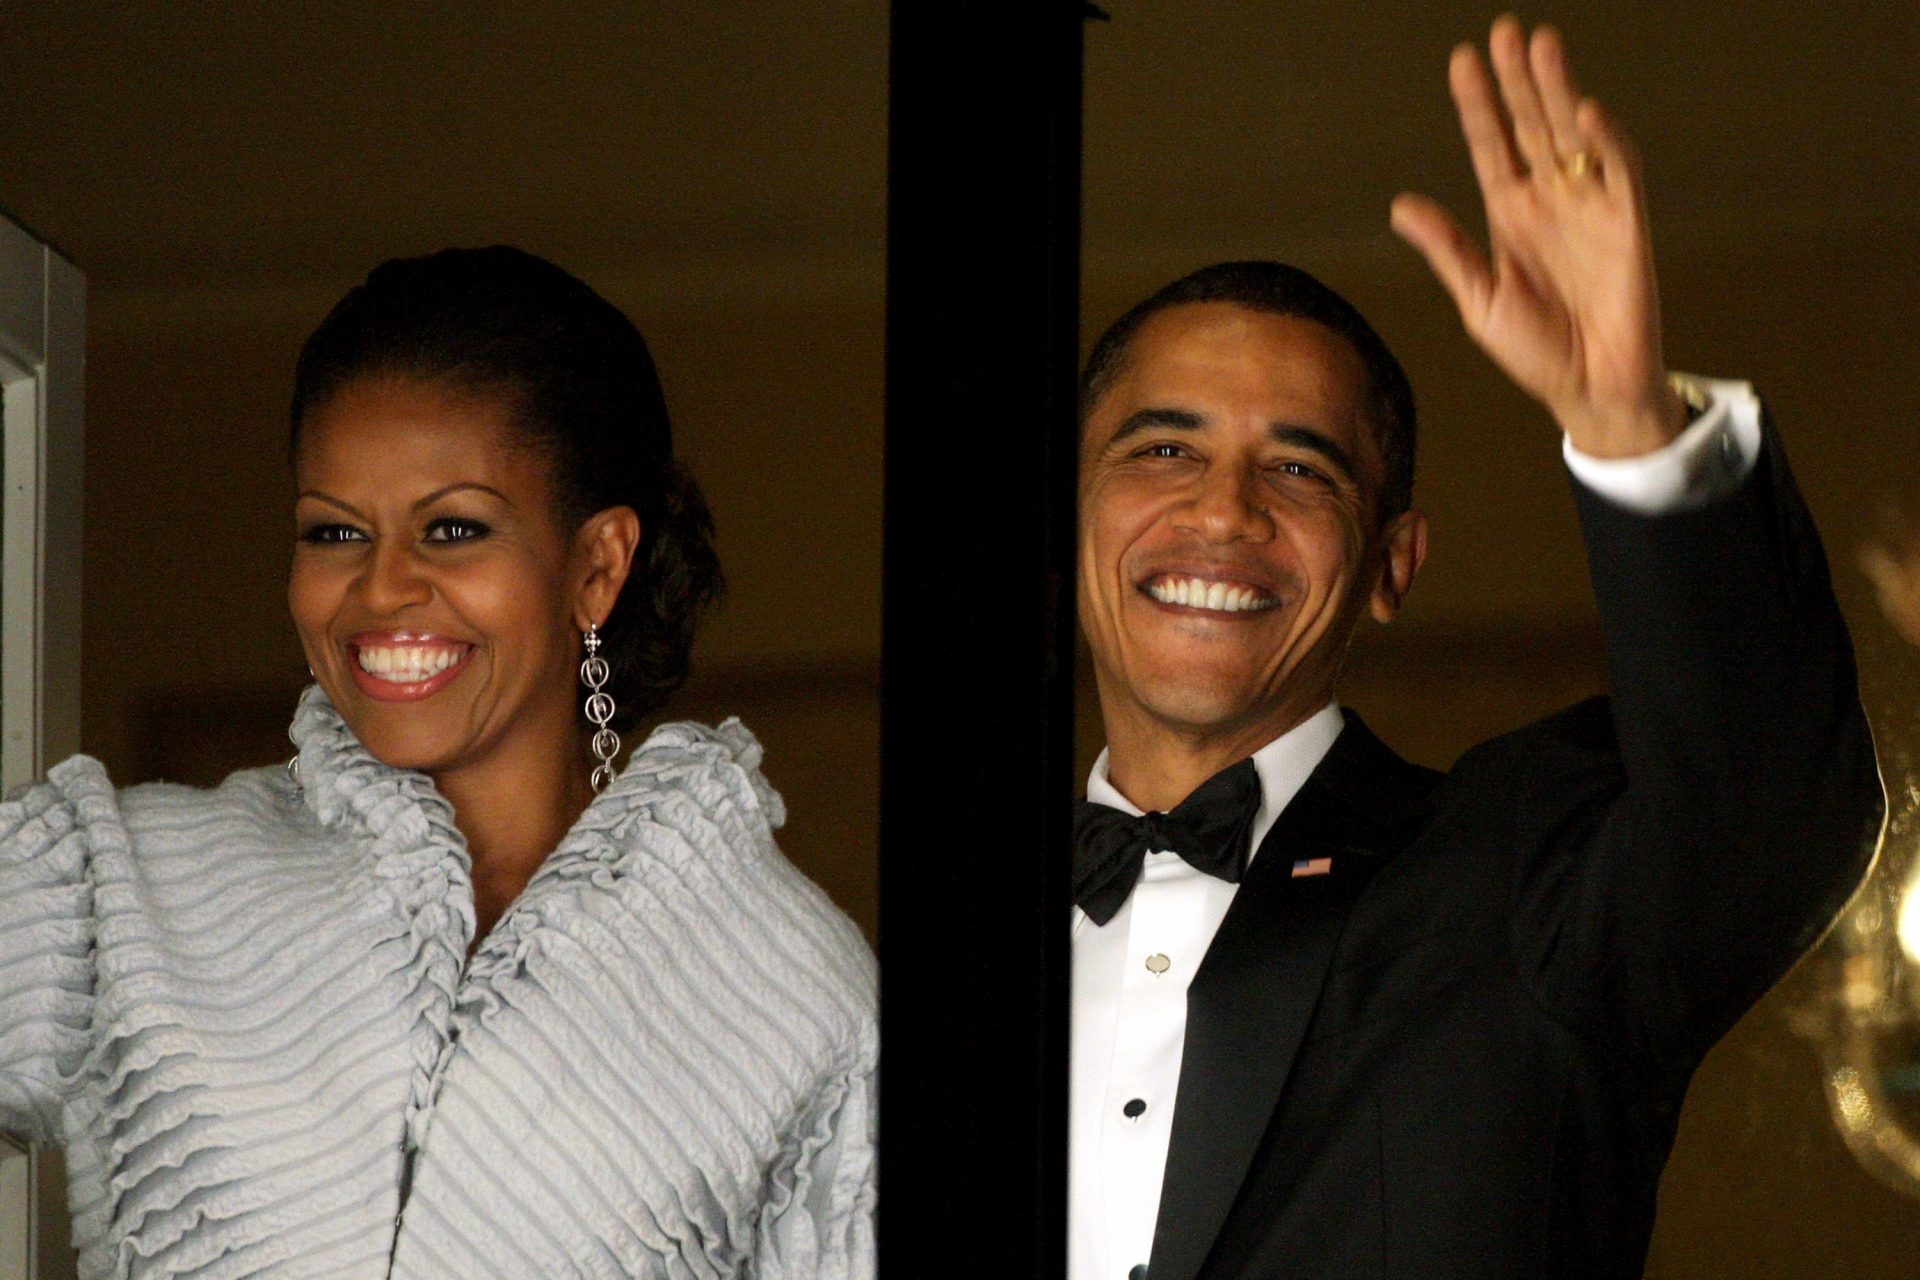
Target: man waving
(1339,1016)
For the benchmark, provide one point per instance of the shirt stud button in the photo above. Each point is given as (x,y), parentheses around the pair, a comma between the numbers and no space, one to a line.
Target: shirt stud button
(1158,964)
(1138,1273)
(1135,1108)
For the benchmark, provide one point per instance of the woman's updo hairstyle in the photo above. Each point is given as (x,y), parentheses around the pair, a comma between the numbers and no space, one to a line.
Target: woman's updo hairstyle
(584,392)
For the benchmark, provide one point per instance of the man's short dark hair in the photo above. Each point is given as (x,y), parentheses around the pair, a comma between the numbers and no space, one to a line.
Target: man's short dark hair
(1287,291)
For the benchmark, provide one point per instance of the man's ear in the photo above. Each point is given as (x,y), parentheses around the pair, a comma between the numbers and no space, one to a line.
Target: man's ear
(1403,549)
(605,546)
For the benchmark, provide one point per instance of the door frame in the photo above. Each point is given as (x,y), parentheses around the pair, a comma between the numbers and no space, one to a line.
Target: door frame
(42,371)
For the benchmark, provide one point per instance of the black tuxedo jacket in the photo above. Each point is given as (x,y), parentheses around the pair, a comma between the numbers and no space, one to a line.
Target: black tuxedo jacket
(1463,1052)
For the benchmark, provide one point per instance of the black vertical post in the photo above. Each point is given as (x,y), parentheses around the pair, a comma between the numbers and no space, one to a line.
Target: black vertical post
(983,245)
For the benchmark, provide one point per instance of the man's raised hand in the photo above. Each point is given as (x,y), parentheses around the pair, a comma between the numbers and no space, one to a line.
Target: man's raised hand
(1567,304)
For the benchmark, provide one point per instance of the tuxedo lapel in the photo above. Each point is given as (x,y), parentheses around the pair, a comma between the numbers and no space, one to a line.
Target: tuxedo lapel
(1254,995)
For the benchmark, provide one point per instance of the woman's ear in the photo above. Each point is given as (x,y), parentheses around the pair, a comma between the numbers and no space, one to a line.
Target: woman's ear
(604,548)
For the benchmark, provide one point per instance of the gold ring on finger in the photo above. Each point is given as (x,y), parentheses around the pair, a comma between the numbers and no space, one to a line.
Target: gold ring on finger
(1580,164)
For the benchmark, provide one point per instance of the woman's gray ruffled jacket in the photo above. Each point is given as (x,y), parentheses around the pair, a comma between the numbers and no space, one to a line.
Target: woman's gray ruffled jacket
(245,1014)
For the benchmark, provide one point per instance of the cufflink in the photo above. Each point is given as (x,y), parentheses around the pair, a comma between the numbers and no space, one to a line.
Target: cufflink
(1693,392)
(1719,462)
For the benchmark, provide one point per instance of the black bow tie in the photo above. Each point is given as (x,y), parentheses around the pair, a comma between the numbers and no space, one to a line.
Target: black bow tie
(1209,829)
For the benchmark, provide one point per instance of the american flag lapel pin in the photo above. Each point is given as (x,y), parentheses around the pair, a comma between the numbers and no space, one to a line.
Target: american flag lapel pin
(1312,867)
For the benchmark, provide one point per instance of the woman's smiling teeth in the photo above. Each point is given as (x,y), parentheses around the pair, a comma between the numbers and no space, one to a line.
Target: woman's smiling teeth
(407,664)
(1204,593)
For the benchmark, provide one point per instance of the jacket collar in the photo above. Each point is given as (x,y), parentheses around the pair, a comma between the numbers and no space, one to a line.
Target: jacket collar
(1257,988)
(687,790)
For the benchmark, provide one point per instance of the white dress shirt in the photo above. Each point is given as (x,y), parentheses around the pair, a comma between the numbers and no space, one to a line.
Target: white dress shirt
(1130,975)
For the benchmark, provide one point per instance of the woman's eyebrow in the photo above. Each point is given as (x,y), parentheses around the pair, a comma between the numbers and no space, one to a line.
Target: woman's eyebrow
(331,501)
(427,501)
(457,487)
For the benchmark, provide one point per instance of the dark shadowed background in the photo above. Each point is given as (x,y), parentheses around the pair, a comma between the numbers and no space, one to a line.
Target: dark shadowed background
(223,171)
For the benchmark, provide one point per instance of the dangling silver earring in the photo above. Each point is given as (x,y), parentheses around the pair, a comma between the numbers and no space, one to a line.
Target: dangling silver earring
(599,709)
(293,761)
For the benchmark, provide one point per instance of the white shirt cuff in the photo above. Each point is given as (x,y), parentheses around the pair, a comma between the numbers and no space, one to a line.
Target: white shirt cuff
(1708,460)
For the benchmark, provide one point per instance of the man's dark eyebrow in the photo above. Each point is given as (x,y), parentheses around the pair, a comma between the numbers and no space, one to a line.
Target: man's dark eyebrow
(1317,441)
(1148,419)
(1288,433)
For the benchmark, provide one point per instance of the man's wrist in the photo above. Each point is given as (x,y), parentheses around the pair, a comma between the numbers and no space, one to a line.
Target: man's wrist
(1647,429)
(1709,458)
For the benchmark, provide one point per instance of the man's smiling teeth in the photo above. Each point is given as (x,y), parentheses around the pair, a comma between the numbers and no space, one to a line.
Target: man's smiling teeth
(407,664)
(1199,593)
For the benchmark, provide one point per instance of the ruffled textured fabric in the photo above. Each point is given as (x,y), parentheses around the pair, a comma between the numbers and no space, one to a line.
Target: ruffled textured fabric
(249,1015)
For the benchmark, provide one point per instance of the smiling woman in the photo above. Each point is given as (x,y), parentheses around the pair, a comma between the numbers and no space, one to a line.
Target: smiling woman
(429,555)
(450,995)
